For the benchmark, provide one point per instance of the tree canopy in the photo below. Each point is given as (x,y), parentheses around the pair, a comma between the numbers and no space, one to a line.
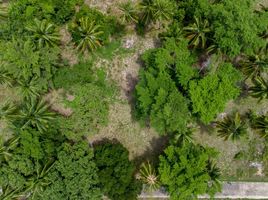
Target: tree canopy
(184,171)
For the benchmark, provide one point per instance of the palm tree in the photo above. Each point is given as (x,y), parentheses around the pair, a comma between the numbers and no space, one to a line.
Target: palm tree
(29,89)
(232,127)
(44,32)
(260,124)
(8,111)
(7,147)
(129,12)
(183,137)
(253,66)
(89,34)
(38,182)
(149,177)
(156,10)
(35,114)
(260,88)
(197,32)
(5,78)
(214,173)
(3,12)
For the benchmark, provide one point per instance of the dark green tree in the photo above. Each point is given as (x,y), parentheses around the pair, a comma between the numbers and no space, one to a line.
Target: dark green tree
(186,173)
(116,172)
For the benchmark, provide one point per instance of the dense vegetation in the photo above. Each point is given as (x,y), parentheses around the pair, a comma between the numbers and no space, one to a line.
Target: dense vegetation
(210,53)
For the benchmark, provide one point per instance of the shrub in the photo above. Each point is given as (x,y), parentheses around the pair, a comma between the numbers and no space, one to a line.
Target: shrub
(92,97)
(116,172)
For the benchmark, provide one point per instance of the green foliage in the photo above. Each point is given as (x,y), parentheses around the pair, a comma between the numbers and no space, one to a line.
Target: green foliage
(92,97)
(210,94)
(157,97)
(186,173)
(116,172)
(30,159)
(232,127)
(44,33)
(241,26)
(87,34)
(24,62)
(74,175)
(260,88)
(43,166)
(56,11)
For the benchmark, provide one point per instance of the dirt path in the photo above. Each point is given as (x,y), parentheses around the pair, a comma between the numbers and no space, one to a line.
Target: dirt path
(230,190)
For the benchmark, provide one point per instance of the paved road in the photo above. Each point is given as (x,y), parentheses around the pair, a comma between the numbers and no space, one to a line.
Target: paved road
(230,190)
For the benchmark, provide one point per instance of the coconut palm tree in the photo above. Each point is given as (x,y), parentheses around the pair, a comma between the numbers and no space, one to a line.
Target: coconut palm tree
(7,147)
(128,12)
(8,111)
(35,114)
(29,89)
(260,124)
(3,12)
(89,34)
(44,32)
(149,177)
(156,10)
(232,127)
(214,173)
(185,136)
(253,66)
(5,78)
(197,32)
(260,88)
(39,181)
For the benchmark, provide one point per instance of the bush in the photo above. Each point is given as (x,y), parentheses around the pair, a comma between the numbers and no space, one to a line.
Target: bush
(187,171)
(116,172)
(25,63)
(93,95)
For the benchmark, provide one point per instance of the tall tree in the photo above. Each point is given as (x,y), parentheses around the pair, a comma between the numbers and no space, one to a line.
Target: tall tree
(185,172)
(116,172)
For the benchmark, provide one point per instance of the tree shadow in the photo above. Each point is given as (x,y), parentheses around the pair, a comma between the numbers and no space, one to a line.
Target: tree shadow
(151,154)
